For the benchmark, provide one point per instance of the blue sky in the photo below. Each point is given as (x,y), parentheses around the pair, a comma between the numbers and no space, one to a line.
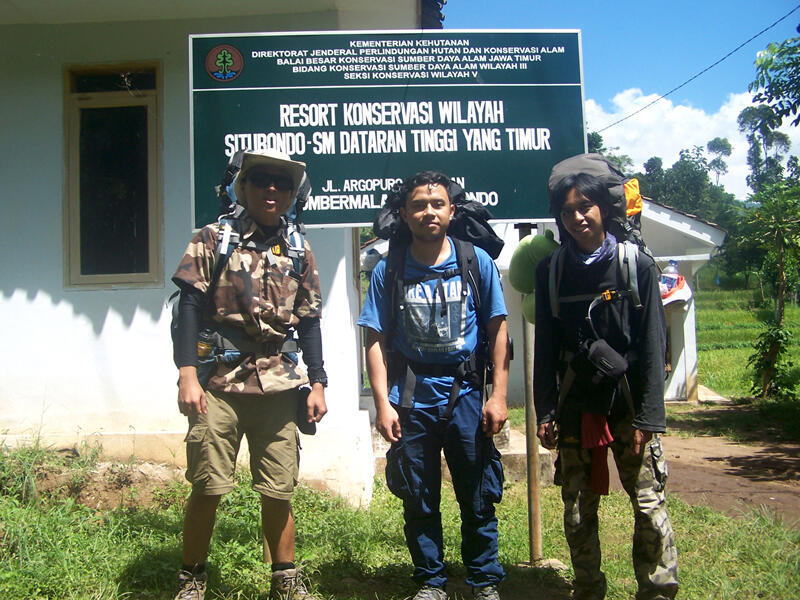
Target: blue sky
(634,52)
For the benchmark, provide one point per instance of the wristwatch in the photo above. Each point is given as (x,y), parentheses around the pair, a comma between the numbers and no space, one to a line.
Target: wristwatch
(323,379)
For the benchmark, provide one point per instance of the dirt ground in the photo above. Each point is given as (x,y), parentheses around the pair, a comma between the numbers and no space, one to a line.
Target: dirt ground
(734,478)
(111,485)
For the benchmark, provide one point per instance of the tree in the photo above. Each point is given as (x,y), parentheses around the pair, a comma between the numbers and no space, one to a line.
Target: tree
(719,147)
(776,225)
(741,252)
(793,170)
(594,142)
(777,81)
(767,145)
(686,184)
(651,182)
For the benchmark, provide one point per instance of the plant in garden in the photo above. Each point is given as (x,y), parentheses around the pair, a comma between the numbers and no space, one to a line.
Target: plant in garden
(771,365)
(776,225)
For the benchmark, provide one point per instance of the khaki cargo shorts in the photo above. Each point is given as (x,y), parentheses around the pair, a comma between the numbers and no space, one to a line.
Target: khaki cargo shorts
(213,441)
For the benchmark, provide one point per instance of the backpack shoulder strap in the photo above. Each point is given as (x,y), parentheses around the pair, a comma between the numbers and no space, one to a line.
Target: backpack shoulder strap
(469,270)
(297,248)
(228,239)
(628,257)
(556,270)
(393,287)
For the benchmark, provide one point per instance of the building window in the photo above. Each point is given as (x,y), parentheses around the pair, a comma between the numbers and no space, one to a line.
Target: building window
(113,186)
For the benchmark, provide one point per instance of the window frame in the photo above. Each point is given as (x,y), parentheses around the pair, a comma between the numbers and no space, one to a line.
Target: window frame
(74,102)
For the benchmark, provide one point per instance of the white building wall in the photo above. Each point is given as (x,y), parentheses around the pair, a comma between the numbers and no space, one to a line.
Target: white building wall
(79,362)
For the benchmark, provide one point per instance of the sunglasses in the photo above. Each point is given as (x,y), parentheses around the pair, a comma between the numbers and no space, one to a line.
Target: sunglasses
(282,183)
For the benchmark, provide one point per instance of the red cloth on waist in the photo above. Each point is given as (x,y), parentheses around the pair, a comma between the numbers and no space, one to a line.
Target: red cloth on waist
(596,436)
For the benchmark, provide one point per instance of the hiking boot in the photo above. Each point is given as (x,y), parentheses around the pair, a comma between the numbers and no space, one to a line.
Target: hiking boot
(429,592)
(289,585)
(487,592)
(590,591)
(192,586)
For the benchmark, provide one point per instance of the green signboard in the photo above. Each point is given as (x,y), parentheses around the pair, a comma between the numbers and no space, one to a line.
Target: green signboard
(492,109)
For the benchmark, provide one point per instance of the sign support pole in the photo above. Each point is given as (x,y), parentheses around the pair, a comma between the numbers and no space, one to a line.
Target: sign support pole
(531,441)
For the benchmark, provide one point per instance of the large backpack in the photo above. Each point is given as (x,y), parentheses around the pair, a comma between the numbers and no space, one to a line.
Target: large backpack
(626,202)
(468,228)
(624,224)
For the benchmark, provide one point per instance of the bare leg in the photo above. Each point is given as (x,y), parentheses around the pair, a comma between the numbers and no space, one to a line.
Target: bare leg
(198,525)
(267,557)
(277,523)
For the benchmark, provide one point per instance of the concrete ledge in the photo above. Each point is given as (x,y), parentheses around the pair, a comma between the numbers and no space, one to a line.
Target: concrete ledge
(709,396)
(515,460)
(161,447)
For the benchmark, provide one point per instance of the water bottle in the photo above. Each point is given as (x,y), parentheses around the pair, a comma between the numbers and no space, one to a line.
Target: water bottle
(669,277)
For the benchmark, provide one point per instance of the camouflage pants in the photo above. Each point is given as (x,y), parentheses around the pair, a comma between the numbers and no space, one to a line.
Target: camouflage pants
(655,558)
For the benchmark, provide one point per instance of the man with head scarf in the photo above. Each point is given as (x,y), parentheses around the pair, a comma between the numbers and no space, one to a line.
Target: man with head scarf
(599,379)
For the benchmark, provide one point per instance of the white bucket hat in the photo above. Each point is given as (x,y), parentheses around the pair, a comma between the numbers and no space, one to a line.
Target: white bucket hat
(269,158)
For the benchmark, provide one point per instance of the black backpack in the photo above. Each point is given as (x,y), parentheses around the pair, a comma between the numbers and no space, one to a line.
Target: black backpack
(468,228)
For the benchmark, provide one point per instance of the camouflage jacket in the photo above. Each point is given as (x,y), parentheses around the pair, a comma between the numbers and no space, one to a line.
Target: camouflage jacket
(264,300)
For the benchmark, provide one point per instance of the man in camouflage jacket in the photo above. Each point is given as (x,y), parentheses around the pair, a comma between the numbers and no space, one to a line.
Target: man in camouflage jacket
(261,293)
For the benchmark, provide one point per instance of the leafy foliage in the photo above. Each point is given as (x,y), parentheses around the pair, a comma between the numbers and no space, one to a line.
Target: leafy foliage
(686,185)
(777,81)
(771,365)
(767,145)
(740,255)
(776,228)
(594,142)
(719,147)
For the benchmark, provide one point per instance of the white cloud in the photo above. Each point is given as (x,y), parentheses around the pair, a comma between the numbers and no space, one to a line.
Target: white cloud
(664,129)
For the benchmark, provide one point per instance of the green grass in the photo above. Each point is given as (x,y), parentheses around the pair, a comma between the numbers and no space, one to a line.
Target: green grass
(746,420)
(59,549)
(728,322)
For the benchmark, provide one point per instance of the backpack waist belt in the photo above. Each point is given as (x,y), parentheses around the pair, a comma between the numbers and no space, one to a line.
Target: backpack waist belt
(470,370)
(228,338)
(433,370)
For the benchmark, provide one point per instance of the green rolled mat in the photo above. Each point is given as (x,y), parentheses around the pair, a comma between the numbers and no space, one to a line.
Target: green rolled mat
(529,308)
(522,268)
